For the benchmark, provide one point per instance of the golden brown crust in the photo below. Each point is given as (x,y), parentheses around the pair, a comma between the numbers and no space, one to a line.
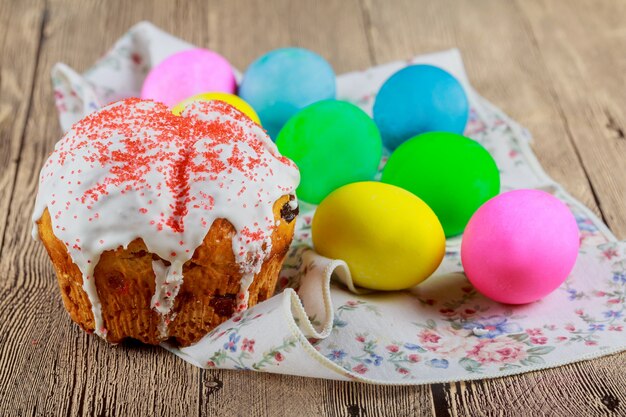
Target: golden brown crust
(125,282)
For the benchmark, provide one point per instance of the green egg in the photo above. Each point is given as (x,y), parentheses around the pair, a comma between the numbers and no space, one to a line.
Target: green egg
(333,143)
(453,174)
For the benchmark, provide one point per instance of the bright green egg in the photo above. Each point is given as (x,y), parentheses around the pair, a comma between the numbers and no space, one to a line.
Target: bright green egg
(453,174)
(333,143)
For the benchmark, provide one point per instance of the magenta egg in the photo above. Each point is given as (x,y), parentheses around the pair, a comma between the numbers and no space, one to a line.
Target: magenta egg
(186,74)
(520,246)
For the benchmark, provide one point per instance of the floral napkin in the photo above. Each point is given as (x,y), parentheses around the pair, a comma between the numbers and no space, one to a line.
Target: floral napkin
(319,325)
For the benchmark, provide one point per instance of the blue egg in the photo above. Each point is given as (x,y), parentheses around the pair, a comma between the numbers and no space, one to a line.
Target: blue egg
(419,99)
(283,81)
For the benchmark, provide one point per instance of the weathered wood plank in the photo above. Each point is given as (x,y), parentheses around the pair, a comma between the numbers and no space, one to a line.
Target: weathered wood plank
(20,33)
(506,65)
(244,30)
(20,36)
(242,394)
(583,48)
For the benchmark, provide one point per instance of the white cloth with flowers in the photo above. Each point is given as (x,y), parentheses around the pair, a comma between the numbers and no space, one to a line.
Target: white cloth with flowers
(318,325)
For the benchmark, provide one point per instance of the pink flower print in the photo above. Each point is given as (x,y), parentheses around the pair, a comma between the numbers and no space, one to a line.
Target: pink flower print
(352,303)
(613,301)
(561,338)
(583,236)
(616,328)
(402,370)
(570,327)
(414,358)
(591,343)
(429,340)
(445,341)
(393,348)
(58,95)
(469,312)
(550,327)
(247,344)
(534,332)
(279,357)
(497,351)
(428,336)
(237,318)
(136,58)
(541,340)
(360,369)
(610,253)
(599,293)
(210,363)
(579,311)
(360,339)
(447,312)
(512,153)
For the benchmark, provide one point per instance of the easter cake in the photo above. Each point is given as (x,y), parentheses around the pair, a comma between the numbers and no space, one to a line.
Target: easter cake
(159,226)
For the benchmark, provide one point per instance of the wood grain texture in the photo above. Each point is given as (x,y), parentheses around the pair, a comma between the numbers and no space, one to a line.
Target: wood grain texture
(554,67)
(20,32)
(244,30)
(583,49)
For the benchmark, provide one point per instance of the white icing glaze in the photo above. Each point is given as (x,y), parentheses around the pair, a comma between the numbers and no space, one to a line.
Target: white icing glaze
(133,170)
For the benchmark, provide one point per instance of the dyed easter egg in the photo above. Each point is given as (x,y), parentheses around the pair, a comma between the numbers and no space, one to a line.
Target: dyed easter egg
(186,74)
(419,99)
(231,99)
(333,143)
(520,246)
(390,239)
(453,174)
(284,81)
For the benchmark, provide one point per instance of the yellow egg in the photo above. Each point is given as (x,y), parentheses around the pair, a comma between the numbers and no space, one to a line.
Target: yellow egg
(235,101)
(390,239)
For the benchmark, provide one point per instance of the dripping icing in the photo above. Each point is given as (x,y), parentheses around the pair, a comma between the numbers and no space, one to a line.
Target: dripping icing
(134,170)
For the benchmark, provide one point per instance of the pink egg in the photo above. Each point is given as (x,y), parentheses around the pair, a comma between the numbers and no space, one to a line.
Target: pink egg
(520,246)
(186,74)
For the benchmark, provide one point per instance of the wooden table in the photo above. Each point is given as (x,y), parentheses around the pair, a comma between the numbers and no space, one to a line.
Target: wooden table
(557,67)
